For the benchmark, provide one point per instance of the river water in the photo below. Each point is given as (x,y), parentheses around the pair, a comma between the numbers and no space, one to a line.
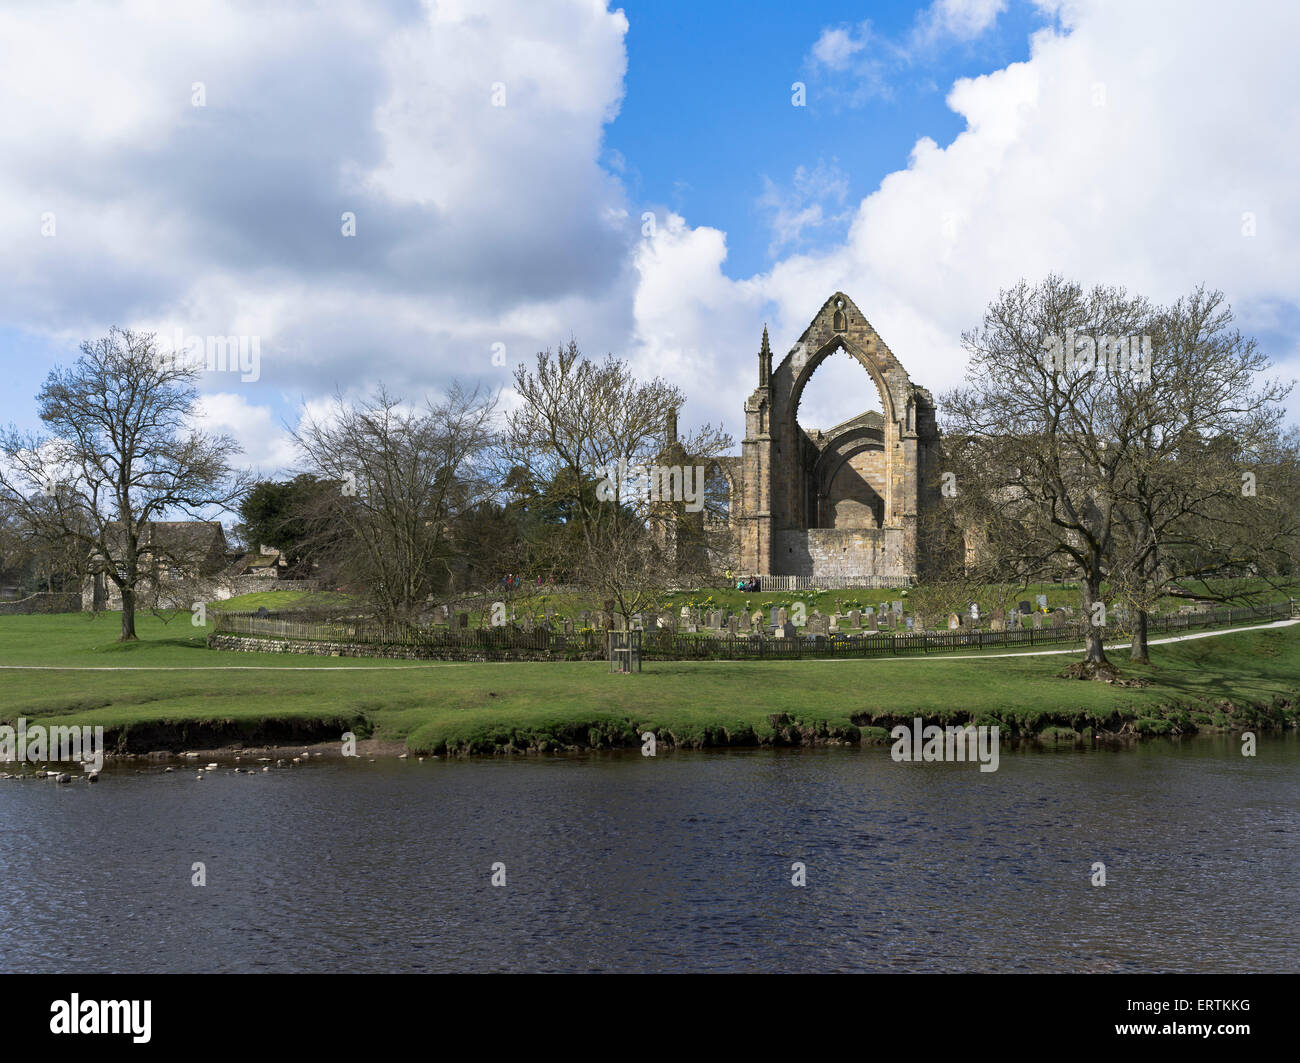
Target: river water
(681,862)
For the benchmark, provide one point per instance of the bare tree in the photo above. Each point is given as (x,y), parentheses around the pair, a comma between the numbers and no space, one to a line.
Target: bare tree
(1036,444)
(406,480)
(603,446)
(120,453)
(1202,427)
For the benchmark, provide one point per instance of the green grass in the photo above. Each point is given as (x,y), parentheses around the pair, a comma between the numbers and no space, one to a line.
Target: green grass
(1244,678)
(278,601)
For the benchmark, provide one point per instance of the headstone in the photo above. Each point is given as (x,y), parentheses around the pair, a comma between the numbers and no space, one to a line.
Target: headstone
(773,619)
(974,611)
(757,618)
(528,623)
(997,624)
(568,627)
(788,630)
(872,625)
(1025,608)
(835,622)
(1038,621)
(818,625)
(262,612)
(911,622)
(686,612)
(998,613)
(954,621)
(781,617)
(733,626)
(1057,617)
(742,623)
(898,608)
(855,617)
(1042,601)
(462,620)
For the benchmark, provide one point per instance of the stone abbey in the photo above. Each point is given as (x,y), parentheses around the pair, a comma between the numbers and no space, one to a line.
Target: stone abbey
(841,502)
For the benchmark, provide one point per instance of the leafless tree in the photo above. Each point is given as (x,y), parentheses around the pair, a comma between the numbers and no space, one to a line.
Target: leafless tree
(121,451)
(406,478)
(1037,448)
(604,446)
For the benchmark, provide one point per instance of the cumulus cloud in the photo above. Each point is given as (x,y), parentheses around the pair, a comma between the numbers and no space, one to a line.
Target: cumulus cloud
(459,141)
(1117,153)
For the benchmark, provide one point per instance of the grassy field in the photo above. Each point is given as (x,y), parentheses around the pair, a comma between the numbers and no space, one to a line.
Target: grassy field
(170,691)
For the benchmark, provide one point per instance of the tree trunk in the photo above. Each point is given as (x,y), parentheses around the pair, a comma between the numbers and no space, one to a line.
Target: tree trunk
(1138,652)
(1095,652)
(128,615)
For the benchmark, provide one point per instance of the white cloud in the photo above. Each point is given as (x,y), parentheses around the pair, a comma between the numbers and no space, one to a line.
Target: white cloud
(1125,150)
(838,44)
(1144,184)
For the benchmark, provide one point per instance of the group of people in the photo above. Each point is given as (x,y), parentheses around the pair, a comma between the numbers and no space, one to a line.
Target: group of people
(511,582)
(749,585)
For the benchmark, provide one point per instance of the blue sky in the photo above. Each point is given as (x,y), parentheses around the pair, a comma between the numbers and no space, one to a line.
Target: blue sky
(707,118)
(946,149)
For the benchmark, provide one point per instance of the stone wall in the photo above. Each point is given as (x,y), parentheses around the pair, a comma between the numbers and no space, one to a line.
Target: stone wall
(848,552)
(69,602)
(184,593)
(245,644)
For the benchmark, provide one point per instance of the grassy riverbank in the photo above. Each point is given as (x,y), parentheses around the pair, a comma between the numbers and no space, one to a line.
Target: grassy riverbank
(177,693)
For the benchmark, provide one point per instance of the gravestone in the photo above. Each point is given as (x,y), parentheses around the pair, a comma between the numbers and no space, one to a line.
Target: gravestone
(818,625)
(954,621)
(742,623)
(781,617)
(733,626)
(872,625)
(1024,608)
(462,620)
(997,624)
(773,620)
(1057,617)
(835,623)
(568,627)
(974,610)
(1038,621)
(911,623)
(897,607)
(1042,601)
(855,618)
(757,619)
(869,610)
(686,612)
(788,630)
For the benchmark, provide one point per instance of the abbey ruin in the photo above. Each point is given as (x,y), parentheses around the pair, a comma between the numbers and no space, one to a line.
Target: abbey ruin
(838,502)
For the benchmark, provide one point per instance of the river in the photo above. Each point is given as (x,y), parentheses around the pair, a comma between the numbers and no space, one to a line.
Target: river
(680,862)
